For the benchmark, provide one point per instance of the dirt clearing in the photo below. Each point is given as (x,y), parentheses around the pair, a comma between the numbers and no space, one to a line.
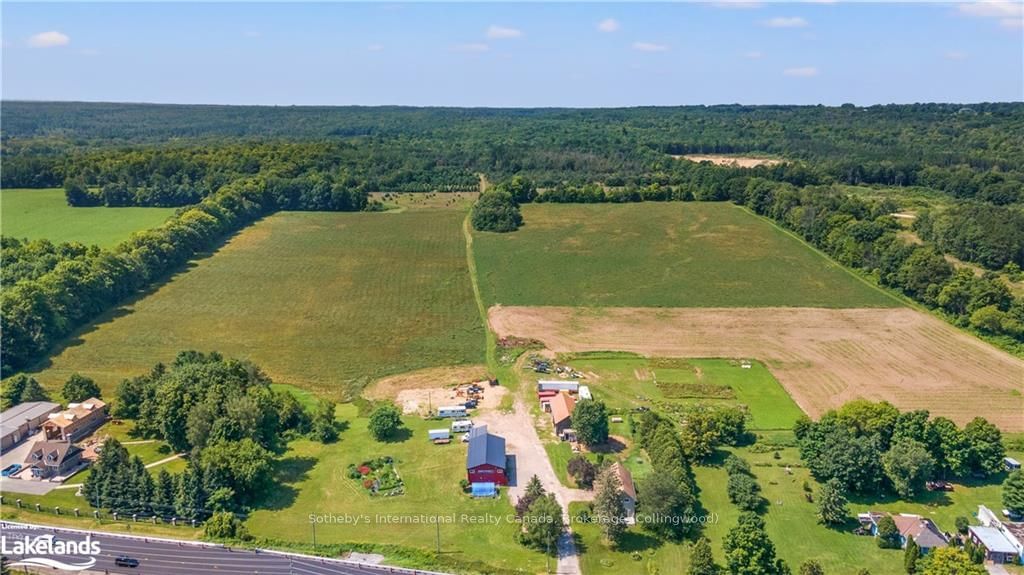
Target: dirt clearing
(420,390)
(823,357)
(723,160)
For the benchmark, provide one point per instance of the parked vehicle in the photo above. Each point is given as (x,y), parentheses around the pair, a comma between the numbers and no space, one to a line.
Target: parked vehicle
(10,470)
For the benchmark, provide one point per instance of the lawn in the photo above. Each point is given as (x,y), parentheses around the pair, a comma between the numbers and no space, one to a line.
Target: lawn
(36,214)
(790,520)
(314,481)
(689,254)
(624,381)
(323,301)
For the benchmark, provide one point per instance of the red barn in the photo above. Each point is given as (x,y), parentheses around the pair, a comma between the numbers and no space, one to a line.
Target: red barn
(485,461)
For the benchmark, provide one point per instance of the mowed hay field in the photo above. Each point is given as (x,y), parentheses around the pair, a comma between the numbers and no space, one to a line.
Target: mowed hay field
(692,254)
(823,357)
(44,214)
(324,301)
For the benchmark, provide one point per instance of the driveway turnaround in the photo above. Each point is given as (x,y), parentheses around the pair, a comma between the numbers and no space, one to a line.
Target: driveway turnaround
(158,556)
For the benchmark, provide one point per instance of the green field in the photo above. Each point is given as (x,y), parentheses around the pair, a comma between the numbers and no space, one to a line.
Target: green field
(660,255)
(314,481)
(323,301)
(38,214)
(625,381)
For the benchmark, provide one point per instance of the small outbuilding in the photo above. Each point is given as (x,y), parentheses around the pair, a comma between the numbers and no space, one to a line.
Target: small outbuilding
(1011,464)
(585,392)
(571,386)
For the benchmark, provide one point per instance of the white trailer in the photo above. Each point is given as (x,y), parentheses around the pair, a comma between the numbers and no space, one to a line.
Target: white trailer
(462,426)
(585,392)
(435,434)
(451,411)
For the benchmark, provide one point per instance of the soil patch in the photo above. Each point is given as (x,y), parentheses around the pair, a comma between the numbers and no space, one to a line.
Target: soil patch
(724,160)
(823,357)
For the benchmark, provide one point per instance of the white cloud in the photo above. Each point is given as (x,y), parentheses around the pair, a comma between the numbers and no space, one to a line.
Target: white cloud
(375,47)
(786,22)
(49,39)
(649,47)
(471,47)
(955,55)
(737,4)
(801,72)
(608,25)
(495,32)
(1008,13)
(753,55)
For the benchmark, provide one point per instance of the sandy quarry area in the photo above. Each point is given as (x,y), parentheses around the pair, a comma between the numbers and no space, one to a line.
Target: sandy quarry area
(823,357)
(724,160)
(425,389)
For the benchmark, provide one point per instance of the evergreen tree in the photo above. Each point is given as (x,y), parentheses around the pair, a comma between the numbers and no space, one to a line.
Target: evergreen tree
(832,503)
(1013,492)
(748,549)
(534,490)
(910,556)
(544,524)
(609,508)
(163,496)
(888,536)
(190,502)
(702,560)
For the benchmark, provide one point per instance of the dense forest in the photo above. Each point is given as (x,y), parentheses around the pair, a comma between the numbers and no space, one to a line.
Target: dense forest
(226,166)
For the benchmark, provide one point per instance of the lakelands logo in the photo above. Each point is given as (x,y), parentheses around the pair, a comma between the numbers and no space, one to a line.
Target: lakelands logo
(26,547)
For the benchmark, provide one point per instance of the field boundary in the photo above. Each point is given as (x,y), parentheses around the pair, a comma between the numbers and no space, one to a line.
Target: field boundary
(1017,351)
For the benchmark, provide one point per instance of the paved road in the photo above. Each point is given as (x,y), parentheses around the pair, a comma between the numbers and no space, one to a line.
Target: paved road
(168,557)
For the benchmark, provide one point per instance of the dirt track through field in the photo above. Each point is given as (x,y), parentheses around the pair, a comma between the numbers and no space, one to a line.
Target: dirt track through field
(823,357)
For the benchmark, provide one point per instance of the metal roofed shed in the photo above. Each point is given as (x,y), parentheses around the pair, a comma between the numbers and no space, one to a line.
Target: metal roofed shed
(993,539)
(585,392)
(22,420)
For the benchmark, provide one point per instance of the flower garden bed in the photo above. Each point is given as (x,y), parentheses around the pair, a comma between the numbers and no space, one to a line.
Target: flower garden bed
(378,476)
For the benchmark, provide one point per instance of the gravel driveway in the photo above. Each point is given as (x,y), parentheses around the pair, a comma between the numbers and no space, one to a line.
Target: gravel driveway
(524,445)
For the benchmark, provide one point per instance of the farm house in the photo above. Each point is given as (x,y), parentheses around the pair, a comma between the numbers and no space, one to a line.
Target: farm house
(562,406)
(486,459)
(627,491)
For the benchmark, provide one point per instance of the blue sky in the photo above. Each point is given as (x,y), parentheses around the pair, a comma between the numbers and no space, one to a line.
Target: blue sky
(535,54)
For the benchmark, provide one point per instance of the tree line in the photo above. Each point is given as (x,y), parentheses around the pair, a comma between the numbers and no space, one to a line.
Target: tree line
(870,447)
(966,152)
(223,415)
